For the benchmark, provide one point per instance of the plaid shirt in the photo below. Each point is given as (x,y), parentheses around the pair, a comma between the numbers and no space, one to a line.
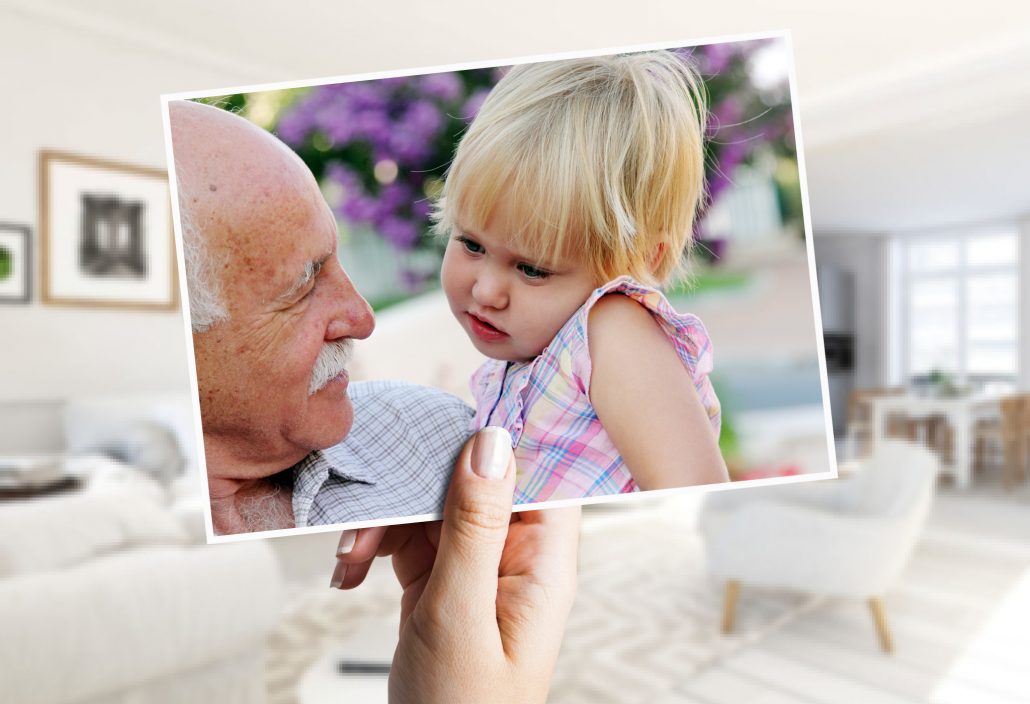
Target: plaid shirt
(561,449)
(396,461)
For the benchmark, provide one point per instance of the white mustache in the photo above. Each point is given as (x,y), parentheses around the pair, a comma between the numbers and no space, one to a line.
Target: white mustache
(332,360)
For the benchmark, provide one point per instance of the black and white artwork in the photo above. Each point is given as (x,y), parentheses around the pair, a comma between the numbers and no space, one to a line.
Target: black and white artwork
(106,234)
(113,240)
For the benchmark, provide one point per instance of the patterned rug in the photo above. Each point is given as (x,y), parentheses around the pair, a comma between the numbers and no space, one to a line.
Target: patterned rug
(646,617)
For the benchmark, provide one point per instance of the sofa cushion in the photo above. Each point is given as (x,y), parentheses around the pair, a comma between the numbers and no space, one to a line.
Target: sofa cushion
(112,624)
(60,531)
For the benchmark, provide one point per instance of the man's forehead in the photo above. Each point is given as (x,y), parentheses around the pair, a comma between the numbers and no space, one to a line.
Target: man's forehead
(270,246)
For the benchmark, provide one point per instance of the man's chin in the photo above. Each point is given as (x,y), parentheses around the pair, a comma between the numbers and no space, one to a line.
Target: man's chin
(332,414)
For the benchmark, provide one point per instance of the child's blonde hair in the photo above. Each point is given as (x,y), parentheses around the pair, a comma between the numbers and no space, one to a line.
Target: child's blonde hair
(602,159)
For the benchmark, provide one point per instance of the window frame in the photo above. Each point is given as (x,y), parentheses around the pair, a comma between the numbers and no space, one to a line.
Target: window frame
(961,275)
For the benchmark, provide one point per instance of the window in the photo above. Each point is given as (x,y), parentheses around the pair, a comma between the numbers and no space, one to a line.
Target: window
(959,306)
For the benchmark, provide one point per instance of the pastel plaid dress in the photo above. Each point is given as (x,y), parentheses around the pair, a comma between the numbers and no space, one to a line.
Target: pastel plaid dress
(561,449)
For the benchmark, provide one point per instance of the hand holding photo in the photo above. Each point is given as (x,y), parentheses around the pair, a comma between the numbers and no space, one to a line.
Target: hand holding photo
(542,229)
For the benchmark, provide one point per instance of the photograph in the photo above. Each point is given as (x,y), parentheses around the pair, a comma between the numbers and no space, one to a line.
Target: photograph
(15,263)
(106,233)
(566,352)
(604,256)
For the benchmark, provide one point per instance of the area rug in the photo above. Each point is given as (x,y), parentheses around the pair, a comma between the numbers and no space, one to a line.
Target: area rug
(646,617)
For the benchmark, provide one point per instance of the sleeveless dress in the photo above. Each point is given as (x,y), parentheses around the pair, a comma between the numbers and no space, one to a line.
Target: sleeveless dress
(561,449)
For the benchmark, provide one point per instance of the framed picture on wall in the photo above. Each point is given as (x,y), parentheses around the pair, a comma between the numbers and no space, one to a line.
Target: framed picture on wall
(106,235)
(15,263)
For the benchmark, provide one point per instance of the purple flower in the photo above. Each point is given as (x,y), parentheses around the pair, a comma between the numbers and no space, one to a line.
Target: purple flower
(400,232)
(343,176)
(443,86)
(727,113)
(716,57)
(293,128)
(358,209)
(395,195)
(423,118)
(363,95)
(471,107)
(421,208)
(407,147)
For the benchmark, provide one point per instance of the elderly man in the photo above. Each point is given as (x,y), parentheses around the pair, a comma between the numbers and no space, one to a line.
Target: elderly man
(273,316)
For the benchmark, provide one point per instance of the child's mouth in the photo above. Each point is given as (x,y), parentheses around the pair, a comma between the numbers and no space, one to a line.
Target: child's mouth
(484,330)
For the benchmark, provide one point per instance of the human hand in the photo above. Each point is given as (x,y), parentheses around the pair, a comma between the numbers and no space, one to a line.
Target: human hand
(486,594)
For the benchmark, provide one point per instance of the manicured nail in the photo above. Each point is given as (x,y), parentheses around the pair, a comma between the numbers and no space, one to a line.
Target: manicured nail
(347,539)
(339,573)
(491,453)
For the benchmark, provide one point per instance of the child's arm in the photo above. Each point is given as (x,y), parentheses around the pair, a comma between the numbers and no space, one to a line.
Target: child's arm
(646,400)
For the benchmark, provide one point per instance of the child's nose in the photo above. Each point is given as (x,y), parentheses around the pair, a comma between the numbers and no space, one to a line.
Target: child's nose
(490,291)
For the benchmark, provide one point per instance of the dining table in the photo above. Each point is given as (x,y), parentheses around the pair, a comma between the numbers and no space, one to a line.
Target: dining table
(960,412)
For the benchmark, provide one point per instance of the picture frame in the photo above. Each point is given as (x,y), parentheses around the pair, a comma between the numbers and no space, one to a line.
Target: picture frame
(15,263)
(105,234)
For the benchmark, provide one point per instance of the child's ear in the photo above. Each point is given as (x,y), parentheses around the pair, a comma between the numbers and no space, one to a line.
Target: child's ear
(658,257)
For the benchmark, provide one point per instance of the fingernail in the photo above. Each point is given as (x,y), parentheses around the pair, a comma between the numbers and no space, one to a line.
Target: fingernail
(347,539)
(491,453)
(339,572)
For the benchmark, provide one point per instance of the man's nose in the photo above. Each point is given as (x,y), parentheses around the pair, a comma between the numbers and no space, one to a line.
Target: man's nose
(490,290)
(354,317)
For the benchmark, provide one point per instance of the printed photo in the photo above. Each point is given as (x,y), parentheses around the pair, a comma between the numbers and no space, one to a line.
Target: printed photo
(607,256)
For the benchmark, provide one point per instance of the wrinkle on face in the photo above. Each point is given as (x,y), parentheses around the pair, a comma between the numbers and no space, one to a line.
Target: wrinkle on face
(266,221)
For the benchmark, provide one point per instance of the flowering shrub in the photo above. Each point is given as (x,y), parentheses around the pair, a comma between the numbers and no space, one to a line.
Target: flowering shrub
(380,148)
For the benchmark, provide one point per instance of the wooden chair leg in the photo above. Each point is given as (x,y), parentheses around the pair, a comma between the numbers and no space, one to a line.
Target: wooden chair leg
(732,590)
(883,631)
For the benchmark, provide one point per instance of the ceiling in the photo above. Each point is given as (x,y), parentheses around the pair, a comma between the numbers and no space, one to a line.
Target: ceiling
(914,114)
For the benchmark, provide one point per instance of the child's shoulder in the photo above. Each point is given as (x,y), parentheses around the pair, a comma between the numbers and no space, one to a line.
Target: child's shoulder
(626,301)
(626,313)
(618,311)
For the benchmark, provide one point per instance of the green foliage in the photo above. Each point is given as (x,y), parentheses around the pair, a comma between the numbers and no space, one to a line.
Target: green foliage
(6,263)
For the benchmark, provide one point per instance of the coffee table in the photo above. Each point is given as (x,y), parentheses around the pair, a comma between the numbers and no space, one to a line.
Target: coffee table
(369,648)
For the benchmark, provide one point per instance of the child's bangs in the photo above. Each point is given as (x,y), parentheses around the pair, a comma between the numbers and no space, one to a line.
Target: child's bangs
(545,228)
(474,186)
(542,226)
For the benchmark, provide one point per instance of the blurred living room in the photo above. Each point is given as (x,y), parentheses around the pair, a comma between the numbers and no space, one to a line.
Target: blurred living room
(906,579)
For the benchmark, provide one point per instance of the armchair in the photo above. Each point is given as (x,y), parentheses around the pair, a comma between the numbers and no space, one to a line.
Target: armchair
(844,537)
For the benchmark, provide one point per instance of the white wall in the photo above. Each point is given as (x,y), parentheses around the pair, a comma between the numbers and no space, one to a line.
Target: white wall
(1024,305)
(92,94)
(865,257)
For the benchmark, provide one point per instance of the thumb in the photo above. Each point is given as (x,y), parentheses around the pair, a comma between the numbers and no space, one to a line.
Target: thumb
(475,524)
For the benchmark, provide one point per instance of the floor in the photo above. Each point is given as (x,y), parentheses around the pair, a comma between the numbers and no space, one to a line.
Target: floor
(959,617)
(645,624)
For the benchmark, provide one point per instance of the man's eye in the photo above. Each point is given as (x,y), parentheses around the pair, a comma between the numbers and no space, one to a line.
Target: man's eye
(531,272)
(471,246)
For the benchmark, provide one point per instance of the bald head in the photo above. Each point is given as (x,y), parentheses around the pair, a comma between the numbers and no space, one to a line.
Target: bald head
(273,311)
(232,177)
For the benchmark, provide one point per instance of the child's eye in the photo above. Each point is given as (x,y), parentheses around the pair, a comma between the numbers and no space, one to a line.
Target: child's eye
(471,246)
(531,272)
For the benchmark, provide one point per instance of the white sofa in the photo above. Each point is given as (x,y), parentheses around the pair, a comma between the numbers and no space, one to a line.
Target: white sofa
(110,594)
